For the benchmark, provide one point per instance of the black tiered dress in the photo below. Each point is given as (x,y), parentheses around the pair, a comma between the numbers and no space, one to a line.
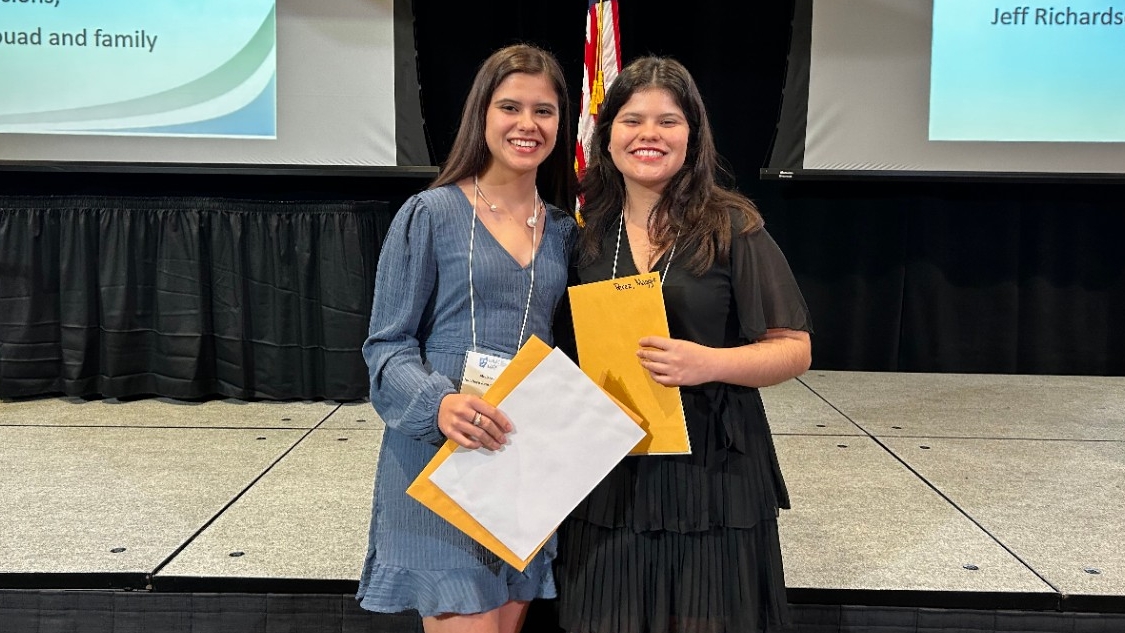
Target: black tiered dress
(689,543)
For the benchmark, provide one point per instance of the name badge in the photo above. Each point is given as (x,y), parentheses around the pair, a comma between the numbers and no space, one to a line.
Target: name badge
(481,370)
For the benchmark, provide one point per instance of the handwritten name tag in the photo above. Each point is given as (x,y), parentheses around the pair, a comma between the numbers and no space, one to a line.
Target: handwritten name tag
(645,282)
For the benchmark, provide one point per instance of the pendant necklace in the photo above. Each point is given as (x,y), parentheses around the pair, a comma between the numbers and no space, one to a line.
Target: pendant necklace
(531,222)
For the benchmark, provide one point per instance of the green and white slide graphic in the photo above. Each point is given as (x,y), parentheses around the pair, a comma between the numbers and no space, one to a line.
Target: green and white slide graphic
(204,68)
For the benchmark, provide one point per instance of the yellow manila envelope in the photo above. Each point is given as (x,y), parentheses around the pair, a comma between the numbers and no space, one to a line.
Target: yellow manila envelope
(568,397)
(610,317)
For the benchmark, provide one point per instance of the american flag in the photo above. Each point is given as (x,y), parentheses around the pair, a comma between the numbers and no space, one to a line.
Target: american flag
(603,61)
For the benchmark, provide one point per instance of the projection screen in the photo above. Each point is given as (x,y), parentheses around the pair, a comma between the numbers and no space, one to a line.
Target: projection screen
(250,85)
(953,88)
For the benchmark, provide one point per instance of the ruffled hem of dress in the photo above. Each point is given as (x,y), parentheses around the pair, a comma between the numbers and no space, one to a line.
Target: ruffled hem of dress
(389,589)
(732,478)
(613,580)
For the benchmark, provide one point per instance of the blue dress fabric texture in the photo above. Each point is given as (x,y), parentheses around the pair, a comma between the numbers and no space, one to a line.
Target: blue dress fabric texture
(689,543)
(419,334)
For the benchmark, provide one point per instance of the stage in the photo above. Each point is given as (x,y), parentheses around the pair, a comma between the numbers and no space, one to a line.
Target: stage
(921,503)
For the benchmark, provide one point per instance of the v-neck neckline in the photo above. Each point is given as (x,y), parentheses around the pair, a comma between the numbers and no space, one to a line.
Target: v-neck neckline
(629,247)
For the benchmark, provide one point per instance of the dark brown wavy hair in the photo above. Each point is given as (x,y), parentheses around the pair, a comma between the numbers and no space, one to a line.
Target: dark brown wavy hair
(469,154)
(693,204)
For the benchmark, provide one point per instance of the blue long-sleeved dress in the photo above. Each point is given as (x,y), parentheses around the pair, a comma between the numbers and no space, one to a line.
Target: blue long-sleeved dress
(419,334)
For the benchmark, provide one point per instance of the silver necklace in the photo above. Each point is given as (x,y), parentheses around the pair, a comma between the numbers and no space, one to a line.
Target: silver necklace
(531,222)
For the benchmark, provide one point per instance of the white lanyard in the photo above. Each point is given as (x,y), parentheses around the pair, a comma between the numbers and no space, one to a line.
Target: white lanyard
(617,250)
(531,287)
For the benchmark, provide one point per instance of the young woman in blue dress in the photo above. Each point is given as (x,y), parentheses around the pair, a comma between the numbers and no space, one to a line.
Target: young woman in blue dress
(470,269)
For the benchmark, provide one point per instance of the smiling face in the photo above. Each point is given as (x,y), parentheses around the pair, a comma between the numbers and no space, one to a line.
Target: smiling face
(522,123)
(649,139)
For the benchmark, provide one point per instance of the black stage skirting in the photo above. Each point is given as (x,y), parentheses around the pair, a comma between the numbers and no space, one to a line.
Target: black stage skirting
(186,297)
(53,611)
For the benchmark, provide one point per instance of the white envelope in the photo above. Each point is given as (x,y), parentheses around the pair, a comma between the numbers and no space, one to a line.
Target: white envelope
(568,435)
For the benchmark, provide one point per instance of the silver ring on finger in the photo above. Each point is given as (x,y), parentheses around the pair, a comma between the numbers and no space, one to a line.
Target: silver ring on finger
(476,419)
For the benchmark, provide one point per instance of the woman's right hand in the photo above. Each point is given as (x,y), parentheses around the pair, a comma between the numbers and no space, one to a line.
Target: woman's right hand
(472,422)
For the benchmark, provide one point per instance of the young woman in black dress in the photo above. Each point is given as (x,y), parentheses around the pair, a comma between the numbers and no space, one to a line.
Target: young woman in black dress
(685,543)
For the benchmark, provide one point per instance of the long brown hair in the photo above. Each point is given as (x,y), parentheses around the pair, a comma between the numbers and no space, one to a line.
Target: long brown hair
(693,205)
(469,154)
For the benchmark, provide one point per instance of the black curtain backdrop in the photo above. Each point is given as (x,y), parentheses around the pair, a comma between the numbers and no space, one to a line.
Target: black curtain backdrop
(958,277)
(185,297)
(901,275)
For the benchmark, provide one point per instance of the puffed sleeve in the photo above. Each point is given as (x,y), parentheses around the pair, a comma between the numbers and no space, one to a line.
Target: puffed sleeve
(765,290)
(404,391)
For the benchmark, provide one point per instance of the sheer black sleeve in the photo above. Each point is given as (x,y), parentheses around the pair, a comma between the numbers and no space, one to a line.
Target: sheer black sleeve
(765,290)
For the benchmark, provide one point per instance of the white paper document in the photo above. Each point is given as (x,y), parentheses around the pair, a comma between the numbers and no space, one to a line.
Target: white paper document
(568,435)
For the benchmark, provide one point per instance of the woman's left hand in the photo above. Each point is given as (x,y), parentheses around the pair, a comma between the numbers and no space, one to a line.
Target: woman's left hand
(676,362)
